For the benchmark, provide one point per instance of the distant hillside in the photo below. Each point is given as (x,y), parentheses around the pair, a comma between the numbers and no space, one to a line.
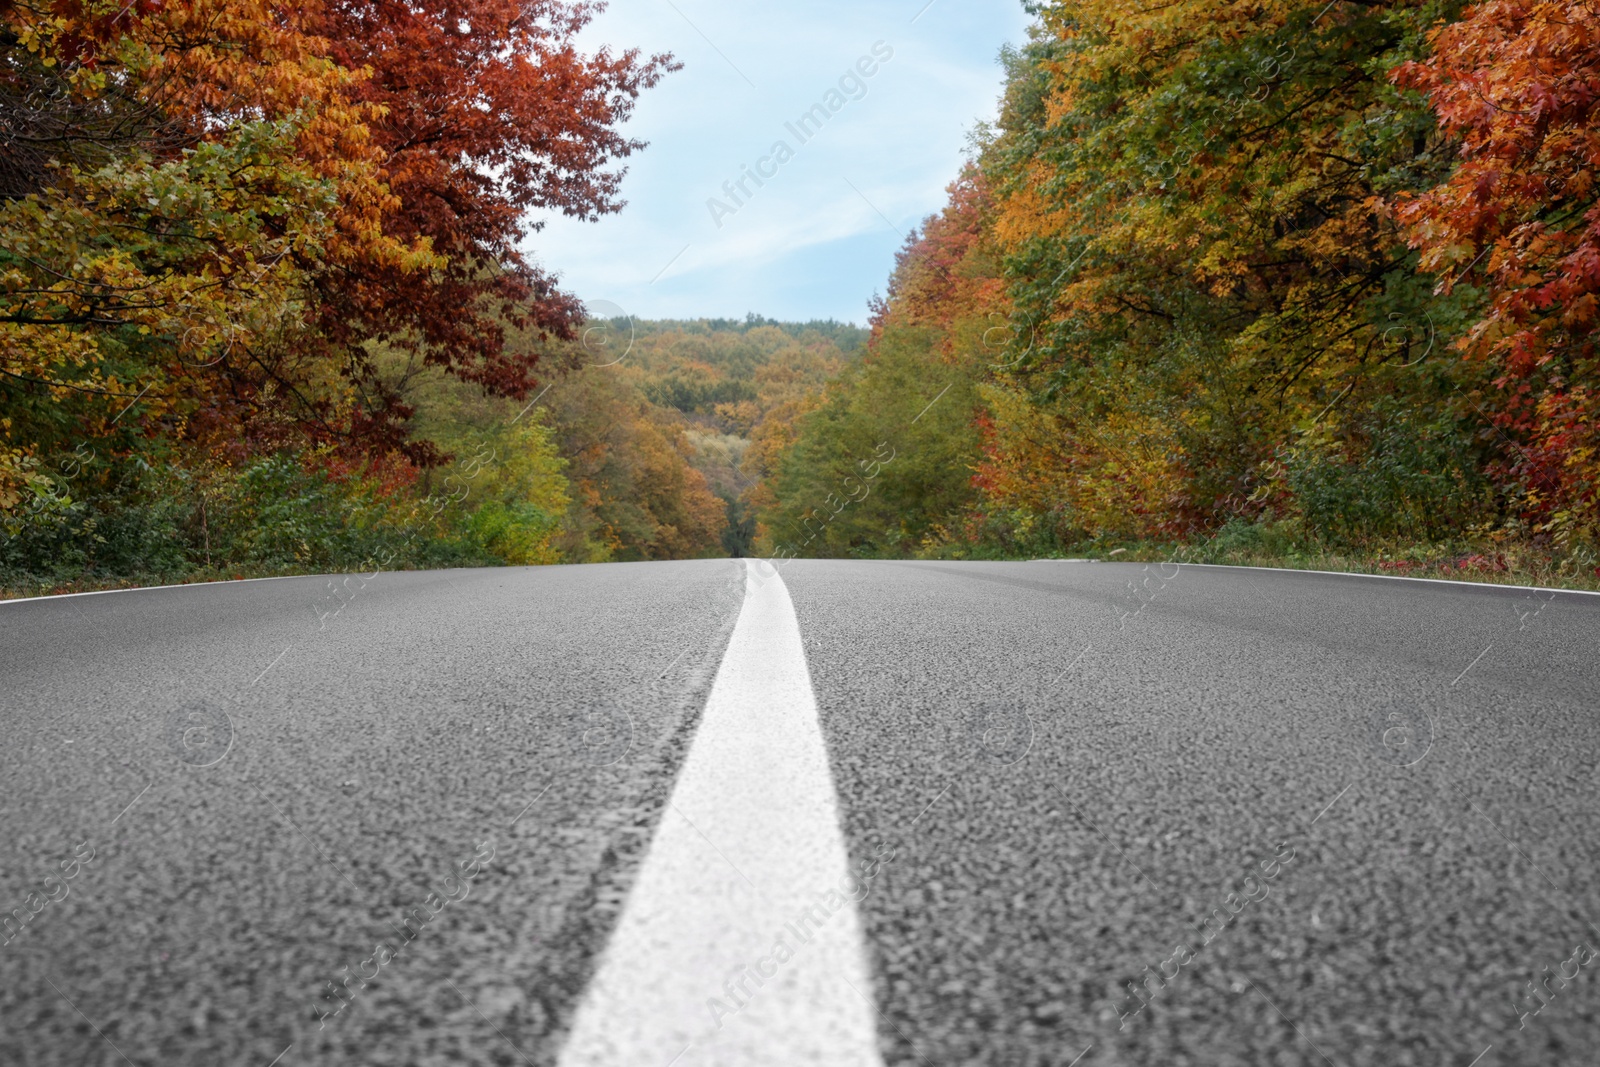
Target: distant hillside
(735,387)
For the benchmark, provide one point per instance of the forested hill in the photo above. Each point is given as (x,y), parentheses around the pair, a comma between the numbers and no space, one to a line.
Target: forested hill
(666,427)
(738,387)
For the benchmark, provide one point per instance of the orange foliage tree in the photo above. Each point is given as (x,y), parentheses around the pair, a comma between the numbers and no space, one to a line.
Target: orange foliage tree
(173,171)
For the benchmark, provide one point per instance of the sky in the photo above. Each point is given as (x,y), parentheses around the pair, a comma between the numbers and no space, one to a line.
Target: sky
(816,238)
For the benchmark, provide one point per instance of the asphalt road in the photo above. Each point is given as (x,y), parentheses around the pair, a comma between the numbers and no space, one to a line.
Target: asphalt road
(1310,819)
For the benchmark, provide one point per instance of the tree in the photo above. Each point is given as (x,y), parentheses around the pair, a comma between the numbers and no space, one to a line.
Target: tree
(1192,209)
(1518,82)
(173,171)
(486,110)
(882,466)
(235,198)
(635,493)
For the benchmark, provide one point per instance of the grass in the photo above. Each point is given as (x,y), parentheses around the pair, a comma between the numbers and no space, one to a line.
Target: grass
(1492,560)
(15,587)
(1495,562)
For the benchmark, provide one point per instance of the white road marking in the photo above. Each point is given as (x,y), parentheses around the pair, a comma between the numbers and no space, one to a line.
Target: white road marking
(740,941)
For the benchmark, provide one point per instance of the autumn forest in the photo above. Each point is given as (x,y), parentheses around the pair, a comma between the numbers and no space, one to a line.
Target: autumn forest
(1308,284)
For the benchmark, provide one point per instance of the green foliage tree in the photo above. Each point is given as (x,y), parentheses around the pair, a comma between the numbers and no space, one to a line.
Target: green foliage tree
(883,466)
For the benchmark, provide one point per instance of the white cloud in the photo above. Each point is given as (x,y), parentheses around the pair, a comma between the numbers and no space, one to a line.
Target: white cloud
(804,244)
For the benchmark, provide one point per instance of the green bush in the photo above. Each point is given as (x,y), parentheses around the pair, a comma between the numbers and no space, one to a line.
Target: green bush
(1400,477)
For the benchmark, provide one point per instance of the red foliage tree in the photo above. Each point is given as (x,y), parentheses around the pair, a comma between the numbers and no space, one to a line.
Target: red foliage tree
(1518,82)
(945,271)
(489,111)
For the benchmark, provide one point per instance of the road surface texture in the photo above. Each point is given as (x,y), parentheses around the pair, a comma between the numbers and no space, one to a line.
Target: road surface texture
(679,814)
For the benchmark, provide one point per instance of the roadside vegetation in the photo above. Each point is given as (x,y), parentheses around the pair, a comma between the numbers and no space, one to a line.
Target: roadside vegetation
(1297,284)
(634,448)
